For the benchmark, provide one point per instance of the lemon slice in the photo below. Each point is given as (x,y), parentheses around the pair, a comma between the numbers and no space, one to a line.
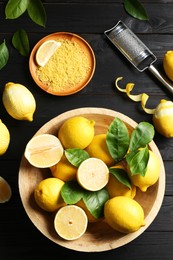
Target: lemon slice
(70,222)
(5,190)
(45,51)
(44,150)
(93,174)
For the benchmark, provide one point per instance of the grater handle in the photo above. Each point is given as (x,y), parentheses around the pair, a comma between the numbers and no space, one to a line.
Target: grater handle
(161,78)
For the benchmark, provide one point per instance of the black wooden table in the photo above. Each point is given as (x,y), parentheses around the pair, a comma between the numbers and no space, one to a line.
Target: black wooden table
(19,238)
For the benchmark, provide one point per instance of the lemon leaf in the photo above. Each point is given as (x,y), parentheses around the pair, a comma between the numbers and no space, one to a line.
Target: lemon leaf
(76,156)
(135,9)
(4,55)
(71,192)
(95,200)
(121,176)
(141,135)
(117,139)
(15,8)
(37,12)
(137,161)
(20,42)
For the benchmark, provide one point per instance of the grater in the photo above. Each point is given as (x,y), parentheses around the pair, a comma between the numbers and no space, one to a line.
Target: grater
(139,55)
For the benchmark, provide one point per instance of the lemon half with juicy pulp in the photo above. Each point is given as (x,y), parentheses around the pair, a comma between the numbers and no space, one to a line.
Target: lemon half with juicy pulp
(45,51)
(70,222)
(44,150)
(93,174)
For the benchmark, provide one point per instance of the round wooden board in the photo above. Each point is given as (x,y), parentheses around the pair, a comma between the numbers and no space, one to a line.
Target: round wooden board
(99,236)
(83,45)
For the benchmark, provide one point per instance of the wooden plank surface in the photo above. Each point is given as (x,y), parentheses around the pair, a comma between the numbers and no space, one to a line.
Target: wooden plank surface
(19,239)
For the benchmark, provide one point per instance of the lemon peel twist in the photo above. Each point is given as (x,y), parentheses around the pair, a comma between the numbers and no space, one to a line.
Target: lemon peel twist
(162,113)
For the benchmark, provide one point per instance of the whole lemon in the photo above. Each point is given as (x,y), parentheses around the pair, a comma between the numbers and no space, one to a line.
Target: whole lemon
(168,64)
(76,132)
(4,138)
(18,101)
(124,214)
(47,194)
(116,188)
(98,149)
(151,176)
(64,170)
(163,118)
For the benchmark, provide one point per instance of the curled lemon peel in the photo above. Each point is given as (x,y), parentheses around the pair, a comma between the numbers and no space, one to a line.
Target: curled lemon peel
(140,97)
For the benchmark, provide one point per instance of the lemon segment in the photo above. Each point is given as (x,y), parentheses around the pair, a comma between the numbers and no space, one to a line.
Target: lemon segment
(4,138)
(5,190)
(70,222)
(76,132)
(45,51)
(93,174)
(47,194)
(19,101)
(124,214)
(44,150)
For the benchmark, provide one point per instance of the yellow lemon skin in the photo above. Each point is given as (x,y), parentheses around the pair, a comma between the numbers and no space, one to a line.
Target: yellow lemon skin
(5,190)
(168,64)
(64,170)
(4,138)
(98,149)
(151,176)
(18,101)
(163,118)
(116,188)
(124,214)
(47,194)
(76,132)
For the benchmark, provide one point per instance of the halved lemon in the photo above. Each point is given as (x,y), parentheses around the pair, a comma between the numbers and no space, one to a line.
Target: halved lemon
(70,222)
(93,174)
(45,51)
(44,150)
(5,190)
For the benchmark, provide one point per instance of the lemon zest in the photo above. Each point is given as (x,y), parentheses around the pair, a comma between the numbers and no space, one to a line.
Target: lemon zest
(140,97)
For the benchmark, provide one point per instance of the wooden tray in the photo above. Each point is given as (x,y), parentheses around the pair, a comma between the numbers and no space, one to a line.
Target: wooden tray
(86,49)
(99,236)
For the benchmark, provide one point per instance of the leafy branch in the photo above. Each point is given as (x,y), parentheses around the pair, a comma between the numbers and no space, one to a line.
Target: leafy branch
(13,10)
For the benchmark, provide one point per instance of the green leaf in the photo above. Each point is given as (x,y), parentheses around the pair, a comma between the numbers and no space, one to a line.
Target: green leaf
(117,139)
(95,200)
(15,8)
(141,135)
(138,160)
(37,12)
(4,55)
(135,9)
(121,175)
(76,156)
(71,192)
(20,42)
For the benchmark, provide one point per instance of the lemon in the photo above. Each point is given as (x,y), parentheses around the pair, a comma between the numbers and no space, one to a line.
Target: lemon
(168,64)
(163,118)
(5,190)
(45,51)
(18,101)
(47,194)
(4,138)
(151,176)
(44,150)
(124,214)
(64,170)
(93,174)
(76,132)
(98,149)
(116,188)
(70,222)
